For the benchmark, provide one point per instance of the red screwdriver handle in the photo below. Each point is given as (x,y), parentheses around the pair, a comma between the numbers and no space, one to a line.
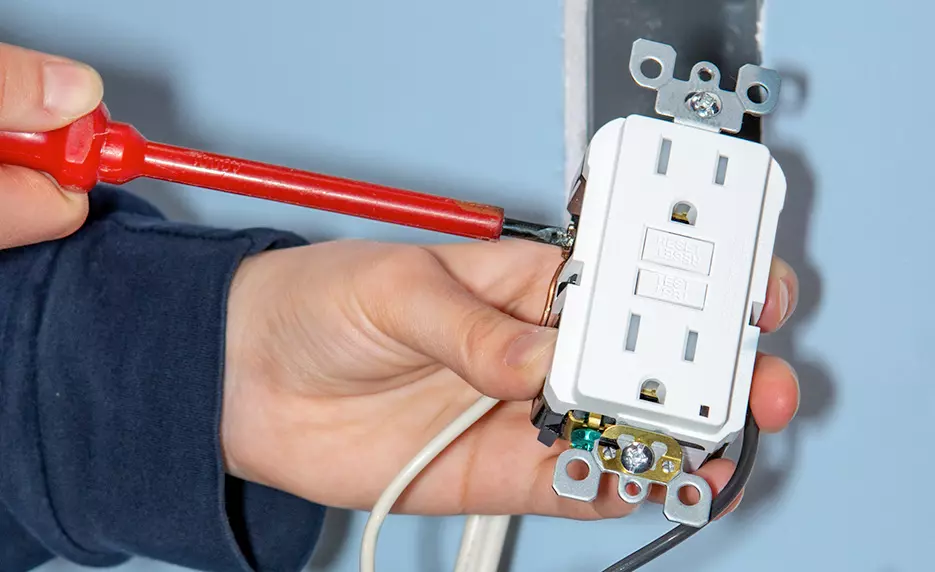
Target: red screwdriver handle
(95,150)
(71,155)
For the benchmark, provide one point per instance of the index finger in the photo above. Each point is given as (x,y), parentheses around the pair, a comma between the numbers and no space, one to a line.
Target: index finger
(514,275)
(40,92)
(782,294)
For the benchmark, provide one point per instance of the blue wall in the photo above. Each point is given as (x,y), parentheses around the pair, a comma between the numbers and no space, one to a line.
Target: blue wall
(466,99)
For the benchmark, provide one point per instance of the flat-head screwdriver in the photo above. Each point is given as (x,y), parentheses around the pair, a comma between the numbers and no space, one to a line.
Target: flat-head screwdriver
(95,149)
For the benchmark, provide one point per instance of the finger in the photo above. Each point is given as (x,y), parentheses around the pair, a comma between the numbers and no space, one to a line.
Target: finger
(39,92)
(34,209)
(733,504)
(782,295)
(716,472)
(430,312)
(516,273)
(717,477)
(774,394)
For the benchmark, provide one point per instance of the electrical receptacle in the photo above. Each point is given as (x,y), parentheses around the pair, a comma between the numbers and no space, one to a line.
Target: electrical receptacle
(672,255)
(658,302)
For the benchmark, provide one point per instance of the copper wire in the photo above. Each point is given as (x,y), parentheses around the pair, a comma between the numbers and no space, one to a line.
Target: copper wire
(550,297)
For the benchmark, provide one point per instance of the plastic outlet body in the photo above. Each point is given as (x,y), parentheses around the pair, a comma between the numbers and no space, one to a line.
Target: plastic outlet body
(671,263)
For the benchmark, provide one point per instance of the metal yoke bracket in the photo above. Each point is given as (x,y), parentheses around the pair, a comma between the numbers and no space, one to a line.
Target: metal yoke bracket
(700,101)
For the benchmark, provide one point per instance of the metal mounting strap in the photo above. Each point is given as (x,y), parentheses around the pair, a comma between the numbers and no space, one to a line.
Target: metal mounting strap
(700,101)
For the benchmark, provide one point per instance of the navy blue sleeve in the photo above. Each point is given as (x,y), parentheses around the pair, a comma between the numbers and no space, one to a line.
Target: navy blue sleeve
(111,377)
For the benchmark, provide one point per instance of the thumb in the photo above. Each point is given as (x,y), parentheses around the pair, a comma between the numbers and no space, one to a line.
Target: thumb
(39,92)
(34,209)
(500,356)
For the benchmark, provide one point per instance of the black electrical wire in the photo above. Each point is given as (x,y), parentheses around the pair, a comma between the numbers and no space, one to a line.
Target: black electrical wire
(730,492)
(536,232)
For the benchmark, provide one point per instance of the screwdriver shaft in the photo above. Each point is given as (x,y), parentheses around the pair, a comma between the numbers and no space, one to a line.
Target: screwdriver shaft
(324,192)
(94,149)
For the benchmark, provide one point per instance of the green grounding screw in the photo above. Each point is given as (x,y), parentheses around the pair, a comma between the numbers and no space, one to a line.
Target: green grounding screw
(584,438)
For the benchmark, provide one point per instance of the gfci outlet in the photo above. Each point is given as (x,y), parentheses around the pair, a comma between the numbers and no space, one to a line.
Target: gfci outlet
(657,303)
(672,255)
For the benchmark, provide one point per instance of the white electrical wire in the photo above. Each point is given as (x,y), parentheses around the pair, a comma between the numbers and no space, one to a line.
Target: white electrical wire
(484,536)
(384,504)
(482,543)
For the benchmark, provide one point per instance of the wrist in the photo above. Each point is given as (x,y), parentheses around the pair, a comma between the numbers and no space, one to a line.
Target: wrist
(242,351)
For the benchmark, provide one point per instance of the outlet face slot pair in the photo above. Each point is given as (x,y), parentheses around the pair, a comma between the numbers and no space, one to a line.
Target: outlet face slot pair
(633,332)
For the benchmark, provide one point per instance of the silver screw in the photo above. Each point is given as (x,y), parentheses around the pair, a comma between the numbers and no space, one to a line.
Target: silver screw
(637,458)
(704,104)
(668,466)
(609,453)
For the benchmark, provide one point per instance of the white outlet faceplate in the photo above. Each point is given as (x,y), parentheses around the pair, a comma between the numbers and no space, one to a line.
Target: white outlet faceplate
(673,249)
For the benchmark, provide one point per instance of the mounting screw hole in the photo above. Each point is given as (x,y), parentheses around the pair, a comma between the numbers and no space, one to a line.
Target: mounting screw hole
(704,74)
(577,470)
(757,93)
(651,68)
(633,488)
(689,495)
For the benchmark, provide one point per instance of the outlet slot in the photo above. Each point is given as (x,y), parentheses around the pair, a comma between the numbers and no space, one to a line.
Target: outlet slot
(684,213)
(691,342)
(721,173)
(662,163)
(704,410)
(653,391)
(633,332)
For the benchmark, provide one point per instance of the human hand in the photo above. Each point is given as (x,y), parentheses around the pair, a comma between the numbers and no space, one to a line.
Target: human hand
(38,93)
(345,358)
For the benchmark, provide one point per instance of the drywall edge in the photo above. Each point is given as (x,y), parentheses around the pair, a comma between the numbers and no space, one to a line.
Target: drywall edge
(575,36)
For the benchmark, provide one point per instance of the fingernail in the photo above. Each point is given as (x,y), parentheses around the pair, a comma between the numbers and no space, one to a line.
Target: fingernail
(783,301)
(70,90)
(525,350)
(798,391)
